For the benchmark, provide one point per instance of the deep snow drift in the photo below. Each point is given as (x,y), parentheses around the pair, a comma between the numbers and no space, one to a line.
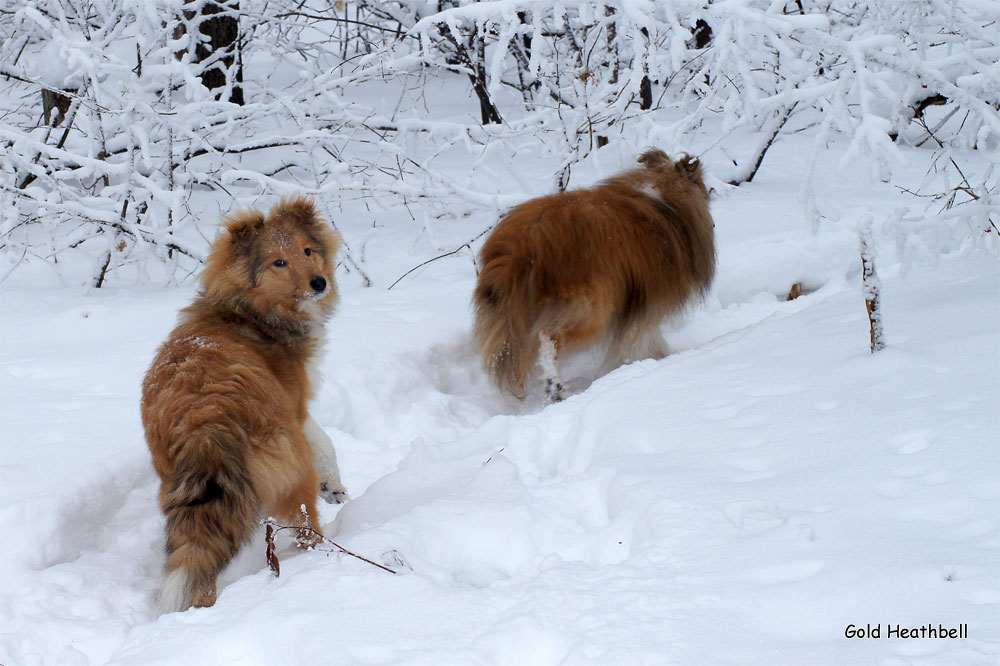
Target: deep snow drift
(740,502)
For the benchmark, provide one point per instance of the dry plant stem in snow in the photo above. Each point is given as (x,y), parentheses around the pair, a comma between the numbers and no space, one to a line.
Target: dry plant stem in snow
(871,285)
(269,553)
(272,528)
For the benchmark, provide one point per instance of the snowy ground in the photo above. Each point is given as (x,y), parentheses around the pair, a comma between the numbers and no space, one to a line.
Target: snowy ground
(740,502)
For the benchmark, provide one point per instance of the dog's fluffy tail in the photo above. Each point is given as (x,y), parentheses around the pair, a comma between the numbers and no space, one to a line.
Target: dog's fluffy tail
(212,510)
(505,327)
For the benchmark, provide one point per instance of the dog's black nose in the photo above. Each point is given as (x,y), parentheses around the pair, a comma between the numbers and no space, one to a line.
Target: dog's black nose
(318,283)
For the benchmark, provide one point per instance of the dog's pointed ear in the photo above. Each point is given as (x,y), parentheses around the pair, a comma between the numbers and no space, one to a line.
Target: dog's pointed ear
(243,227)
(300,209)
(689,167)
(654,159)
(243,224)
(232,251)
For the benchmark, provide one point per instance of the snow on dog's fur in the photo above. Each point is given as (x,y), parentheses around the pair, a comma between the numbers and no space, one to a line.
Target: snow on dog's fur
(224,403)
(601,264)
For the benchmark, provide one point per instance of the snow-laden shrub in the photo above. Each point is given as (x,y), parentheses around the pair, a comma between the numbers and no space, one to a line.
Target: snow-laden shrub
(134,129)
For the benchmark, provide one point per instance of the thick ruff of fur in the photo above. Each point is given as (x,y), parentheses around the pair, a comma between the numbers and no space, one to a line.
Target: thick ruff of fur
(224,403)
(601,264)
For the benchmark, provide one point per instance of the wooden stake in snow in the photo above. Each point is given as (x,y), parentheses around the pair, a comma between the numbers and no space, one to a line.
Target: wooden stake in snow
(871,286)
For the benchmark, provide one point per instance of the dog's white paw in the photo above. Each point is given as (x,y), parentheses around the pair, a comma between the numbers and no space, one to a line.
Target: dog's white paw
(554,390)
(332,492)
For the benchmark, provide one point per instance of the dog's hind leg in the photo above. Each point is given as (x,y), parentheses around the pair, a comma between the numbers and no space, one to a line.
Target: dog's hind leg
(635,341)
(547,354)
(331,488)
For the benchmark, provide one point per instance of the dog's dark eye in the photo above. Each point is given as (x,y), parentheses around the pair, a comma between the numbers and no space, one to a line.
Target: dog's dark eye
(308,251)
(280,263)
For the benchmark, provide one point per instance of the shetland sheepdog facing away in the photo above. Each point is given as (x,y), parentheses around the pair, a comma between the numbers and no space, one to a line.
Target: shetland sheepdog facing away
(605,264)
(224,403)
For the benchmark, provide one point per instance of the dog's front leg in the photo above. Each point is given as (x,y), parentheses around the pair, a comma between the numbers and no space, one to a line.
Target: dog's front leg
(325,456)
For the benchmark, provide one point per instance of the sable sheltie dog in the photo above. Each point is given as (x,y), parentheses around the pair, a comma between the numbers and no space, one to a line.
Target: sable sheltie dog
(224,403)
(605,264)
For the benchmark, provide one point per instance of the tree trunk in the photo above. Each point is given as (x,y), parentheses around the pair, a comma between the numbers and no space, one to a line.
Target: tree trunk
(645,93)
(645,86)
(612,45)
(487,109)
(54,101)
(219,22)
(471,53)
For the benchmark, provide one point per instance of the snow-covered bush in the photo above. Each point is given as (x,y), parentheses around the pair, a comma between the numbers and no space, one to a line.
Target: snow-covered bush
(115,163)
(134,127)
(141,131)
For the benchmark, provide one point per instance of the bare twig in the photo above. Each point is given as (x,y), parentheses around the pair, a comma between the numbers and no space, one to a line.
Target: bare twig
(782,119)
(316,17)
(467,244)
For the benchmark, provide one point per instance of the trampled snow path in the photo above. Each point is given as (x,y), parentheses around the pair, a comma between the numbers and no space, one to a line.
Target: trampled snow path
(742,501)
